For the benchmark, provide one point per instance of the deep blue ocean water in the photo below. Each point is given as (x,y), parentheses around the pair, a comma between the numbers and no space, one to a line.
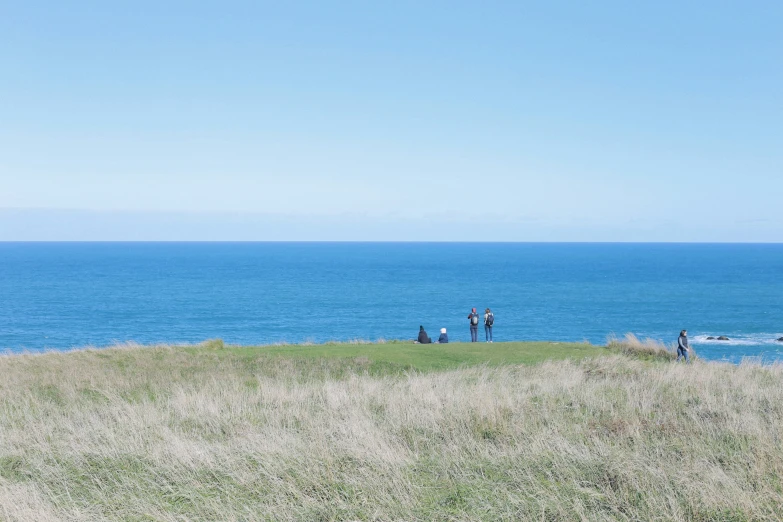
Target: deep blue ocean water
(67,295)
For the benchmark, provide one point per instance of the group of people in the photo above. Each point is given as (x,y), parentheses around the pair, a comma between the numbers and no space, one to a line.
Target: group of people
(473,318)
(489,322)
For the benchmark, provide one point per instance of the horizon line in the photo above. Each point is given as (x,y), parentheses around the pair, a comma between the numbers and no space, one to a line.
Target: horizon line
(360,241)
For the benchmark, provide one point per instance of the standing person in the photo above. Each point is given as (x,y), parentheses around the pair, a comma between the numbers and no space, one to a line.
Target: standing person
(682,346)
(489,321)
(474,319)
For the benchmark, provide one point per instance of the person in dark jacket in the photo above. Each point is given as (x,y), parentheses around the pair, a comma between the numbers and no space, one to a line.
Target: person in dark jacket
(444,337)
(474,321)
(682,346)
(423,339)
(489,321)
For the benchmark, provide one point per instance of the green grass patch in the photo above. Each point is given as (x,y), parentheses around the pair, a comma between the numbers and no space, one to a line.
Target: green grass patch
(393,357)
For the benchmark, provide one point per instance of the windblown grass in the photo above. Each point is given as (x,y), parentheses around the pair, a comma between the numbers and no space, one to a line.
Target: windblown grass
(646,349)
(171,434)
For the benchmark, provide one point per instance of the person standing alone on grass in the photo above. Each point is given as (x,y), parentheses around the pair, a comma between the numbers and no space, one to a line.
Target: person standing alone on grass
(489,321)
(682,346)
(474,320)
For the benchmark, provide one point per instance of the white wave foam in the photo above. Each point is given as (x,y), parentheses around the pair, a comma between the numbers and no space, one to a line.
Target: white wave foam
(740,339)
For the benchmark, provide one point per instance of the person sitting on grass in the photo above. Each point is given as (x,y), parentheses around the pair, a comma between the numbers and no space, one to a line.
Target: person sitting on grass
(423,339)
(444,337)
(682,346)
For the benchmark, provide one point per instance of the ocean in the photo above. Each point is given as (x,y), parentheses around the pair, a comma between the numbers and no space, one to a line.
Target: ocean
(67,295)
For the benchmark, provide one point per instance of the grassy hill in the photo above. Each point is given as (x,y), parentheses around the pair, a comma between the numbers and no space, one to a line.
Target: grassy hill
(508,431)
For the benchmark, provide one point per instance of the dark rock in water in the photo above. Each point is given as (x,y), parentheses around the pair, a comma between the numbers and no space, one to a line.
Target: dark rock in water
(780,340)
(723,338)
(710,338)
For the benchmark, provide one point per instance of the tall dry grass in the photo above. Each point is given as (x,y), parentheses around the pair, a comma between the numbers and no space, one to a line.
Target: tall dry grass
(646,349)
(163,434)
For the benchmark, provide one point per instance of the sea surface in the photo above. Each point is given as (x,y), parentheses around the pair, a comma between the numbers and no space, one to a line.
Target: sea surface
(68,295)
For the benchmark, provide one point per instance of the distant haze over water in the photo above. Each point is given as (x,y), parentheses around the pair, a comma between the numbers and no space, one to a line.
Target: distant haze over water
(66,295)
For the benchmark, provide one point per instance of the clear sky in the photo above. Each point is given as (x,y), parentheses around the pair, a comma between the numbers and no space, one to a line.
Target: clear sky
(404,120)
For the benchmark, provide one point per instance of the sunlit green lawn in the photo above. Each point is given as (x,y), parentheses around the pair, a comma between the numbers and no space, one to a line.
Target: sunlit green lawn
(423,357)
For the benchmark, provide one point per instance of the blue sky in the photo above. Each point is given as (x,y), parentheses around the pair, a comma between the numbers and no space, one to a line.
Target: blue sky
(550,121)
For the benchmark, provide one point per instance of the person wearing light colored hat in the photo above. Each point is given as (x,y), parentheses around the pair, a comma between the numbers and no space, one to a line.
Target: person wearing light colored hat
(444,337)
